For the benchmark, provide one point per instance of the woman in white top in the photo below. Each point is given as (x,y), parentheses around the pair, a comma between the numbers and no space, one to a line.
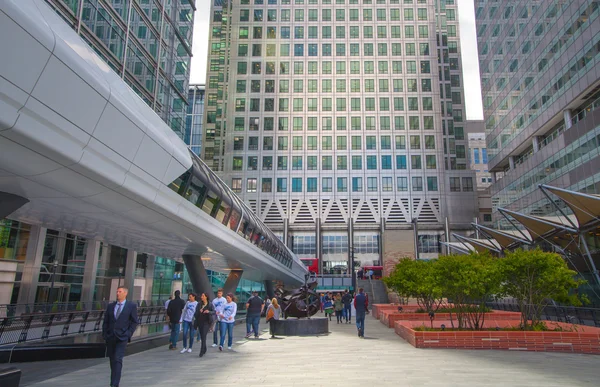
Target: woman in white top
(187,319)
(273,314)
(227,321)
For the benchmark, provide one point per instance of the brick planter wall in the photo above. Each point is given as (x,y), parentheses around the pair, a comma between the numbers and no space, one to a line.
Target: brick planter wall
(389,317)
(379,308)
(584,340)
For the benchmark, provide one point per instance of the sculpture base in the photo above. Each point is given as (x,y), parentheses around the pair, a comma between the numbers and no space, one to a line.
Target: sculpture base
(302,327)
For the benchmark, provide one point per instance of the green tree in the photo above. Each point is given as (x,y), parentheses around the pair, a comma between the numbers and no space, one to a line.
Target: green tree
(470,281)
(416,278)
(535,278)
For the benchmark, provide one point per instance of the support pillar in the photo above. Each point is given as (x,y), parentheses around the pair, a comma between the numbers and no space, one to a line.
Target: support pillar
(590,258)
(130,264)
(90,271)
(511,162)
(415,223)
(232,281)
(199,276)
(286,230)
(318,243)
(31,268)
(351,252)
(447,232)
(568,120)
(269,289)
(381,235)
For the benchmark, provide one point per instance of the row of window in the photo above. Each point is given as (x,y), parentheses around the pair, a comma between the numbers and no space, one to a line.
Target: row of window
(341,86)
(341,123)
(416,162)
(383,67)
(341,142)
(356,104)
(387,184)
(288,2)
(484,157)
(340,49)
(327,32)
(327,14)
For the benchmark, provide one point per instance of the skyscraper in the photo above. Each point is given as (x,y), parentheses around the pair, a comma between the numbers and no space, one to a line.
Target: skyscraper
(195,115)
(339,119)
(540,84)
(132,37)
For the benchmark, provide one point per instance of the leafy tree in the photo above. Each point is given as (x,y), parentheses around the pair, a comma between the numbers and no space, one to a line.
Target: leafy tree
(535,278)
(469,280)
(416,278)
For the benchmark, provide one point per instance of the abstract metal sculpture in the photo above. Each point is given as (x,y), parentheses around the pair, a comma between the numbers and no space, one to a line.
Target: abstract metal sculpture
(301,302)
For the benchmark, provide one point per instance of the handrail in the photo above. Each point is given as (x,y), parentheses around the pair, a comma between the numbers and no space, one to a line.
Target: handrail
(568,314)
(35,327)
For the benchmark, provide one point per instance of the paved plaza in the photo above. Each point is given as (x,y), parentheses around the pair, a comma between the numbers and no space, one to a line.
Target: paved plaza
(337,359)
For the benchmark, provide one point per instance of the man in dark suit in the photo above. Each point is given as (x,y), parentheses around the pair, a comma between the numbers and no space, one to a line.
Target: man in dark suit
(120,321)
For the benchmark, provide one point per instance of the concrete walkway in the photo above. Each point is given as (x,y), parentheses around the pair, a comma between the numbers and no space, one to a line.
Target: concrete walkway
(337,359)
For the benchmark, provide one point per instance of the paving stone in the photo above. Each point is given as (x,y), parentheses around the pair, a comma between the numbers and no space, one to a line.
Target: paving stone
(339,358)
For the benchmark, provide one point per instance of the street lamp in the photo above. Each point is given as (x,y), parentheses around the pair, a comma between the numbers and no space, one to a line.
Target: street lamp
(352,272)
(161,275)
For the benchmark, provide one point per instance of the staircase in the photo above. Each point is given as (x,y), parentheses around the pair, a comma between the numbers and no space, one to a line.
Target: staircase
(375,290)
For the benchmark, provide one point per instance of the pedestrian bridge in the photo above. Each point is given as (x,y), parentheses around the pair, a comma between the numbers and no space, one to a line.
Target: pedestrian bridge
(88,156)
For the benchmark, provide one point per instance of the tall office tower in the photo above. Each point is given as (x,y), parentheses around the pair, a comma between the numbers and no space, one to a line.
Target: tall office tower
(195,115)
(133,36)
(340,120)
(540,85)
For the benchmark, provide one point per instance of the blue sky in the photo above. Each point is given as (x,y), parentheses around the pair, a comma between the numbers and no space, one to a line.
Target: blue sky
(468,47)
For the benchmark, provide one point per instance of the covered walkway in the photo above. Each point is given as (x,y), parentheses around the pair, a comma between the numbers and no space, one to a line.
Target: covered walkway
(337,359)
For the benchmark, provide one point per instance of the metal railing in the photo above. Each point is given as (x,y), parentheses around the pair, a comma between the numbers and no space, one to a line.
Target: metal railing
(567,314)
(15,310)
(43,326)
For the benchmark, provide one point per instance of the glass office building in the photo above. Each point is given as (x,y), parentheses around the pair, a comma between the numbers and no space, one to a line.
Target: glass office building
(195,115)
(337,119)
(539,63)
(133,38)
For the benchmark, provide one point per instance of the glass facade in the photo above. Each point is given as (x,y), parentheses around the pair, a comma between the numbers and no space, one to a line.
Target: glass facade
(193,121)
(134,37)
(538,63)
(320,97)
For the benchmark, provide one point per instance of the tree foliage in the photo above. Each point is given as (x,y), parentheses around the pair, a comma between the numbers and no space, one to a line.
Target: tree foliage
(416,279)
(536,278)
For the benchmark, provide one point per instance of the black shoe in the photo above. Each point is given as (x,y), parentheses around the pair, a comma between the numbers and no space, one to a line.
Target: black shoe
(201,354)
(170,346)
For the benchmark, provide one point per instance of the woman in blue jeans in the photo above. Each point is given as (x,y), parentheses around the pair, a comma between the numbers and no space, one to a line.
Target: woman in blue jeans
(227,321)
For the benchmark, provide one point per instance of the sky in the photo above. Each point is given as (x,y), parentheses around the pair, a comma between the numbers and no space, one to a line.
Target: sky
(468,47)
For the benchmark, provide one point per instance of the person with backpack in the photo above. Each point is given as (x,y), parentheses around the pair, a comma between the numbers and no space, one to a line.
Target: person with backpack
(362,308)
(174,311)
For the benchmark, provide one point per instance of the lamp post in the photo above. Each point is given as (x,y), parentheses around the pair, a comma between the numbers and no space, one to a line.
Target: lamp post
(160,276)
(54,267)
(352,272)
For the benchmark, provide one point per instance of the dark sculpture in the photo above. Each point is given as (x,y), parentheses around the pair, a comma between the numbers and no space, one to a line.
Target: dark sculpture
(301,302)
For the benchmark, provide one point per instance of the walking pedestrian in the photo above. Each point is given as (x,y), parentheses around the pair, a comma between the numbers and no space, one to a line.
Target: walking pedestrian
(338,305)
(328,305)
(273,314)
(322,302)
(218,303)
(120,321)
(187,319)
(205,315)
(362,307)
(227,321)
(347,300)
(174,315)
(254,308)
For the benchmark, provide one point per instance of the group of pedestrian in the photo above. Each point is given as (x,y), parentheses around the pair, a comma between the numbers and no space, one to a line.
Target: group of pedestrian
(340,303)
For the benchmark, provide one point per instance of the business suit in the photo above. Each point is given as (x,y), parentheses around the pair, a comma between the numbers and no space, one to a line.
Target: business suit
(117,331)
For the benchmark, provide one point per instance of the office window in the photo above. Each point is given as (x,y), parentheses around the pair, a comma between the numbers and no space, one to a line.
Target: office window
(371,184)
(357,184)
(267,143)
(415,162)
(401,162)
(356,163)
(342,184)
(430,162)
(455,184)
(476,155)
(326,123)
(415,142)
(283,124)
(399,123)
(296,184)
(281,184)
(417,184)
(371,142)
(311,163)
(282,143)
(238,163)
(342,163)
(432,184)
(326,163)
(402,184)
(341,143)
(386,162)
(327,184)
(296,163)
(236,185)
(467,184)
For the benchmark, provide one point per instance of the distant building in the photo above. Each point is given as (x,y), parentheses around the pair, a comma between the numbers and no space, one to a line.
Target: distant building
(478,157)
(193,121)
